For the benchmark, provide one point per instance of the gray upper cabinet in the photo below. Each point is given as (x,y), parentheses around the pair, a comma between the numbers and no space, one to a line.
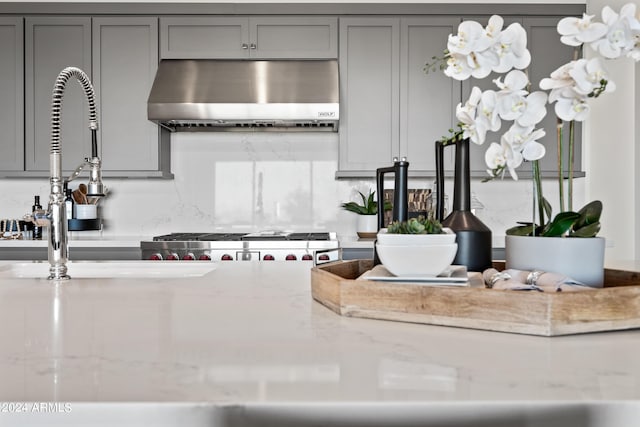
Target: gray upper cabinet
(125,59)
(369,94)
(12,93)
(52,44)
(427,101)
(389,106)
(242,37)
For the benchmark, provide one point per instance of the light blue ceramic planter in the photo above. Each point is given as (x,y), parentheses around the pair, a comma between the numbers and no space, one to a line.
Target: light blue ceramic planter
(581,259)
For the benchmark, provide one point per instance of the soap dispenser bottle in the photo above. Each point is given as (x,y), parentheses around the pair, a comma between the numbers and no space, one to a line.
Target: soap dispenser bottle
(68,203)
(37,230)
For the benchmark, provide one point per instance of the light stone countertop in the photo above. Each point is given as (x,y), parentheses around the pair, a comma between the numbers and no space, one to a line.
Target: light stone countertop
(248,335)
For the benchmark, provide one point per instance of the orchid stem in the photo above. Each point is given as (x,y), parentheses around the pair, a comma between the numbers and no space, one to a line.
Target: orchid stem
(560,168)
(571,161)
(538,182)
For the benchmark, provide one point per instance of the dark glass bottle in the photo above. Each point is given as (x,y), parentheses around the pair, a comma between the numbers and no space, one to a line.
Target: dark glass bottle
(68,204)
(37,230)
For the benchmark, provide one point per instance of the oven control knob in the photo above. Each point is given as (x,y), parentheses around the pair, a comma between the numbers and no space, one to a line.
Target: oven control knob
(290,257)
(173,257)
(156,257)
(204,257)
(226,257)
(323,257)
(189,257)
(268,257)
(307,257)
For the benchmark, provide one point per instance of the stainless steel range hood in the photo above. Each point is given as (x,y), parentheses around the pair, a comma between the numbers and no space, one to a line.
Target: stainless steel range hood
(222,95)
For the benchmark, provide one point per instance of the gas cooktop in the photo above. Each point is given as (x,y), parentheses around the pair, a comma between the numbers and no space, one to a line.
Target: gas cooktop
(229,237)
(260,246)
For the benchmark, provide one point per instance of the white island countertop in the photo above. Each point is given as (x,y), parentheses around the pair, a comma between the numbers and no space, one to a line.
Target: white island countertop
(247,340)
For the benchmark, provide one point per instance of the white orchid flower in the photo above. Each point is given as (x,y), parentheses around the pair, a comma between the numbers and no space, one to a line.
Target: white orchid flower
(517,136)
(457,67)
(471,37)
(499,157)
(576,31)
(467,113)
(495,157)
(494,27)
(572,108)
(515,103)
(511,48)
(534,109)
(487,111)
(588,76)
(524,139)
(513,81)
(482,63)
(620,38)
(533,151)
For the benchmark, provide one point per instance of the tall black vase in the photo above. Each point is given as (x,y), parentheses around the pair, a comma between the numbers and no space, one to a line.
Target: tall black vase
(472,236)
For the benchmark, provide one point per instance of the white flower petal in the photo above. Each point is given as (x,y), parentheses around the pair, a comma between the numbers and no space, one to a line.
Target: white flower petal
(533,151)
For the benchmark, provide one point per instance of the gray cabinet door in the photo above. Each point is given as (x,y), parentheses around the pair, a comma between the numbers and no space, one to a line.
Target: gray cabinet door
(125,59)
(293,37)
(427,101)
(260,37)
(369,94)
(204,37)
(52,44)
(12,93)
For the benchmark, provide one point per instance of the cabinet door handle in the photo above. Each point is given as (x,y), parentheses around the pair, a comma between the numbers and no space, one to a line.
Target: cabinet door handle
(253,46)
(245,46)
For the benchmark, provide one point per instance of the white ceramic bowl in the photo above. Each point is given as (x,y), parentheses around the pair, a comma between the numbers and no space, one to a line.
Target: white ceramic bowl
(414,260)
(446,238)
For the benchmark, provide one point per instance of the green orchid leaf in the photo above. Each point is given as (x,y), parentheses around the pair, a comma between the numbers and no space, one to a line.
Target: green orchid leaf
(561,224)
(590,230)
(519,230)
(589,214)
(524,229)
(547,210)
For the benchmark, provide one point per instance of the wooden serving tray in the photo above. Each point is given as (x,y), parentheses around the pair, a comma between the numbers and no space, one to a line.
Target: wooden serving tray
(614,307)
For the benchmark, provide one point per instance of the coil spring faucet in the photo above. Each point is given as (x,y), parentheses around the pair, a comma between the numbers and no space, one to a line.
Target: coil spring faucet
(55,216)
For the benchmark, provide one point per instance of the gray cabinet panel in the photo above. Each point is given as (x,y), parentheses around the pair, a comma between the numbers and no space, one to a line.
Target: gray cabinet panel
(243,37)
(52,44)
(204,37)
(369,86)
(301,37)
(12,93)
(427,102)
(125,59)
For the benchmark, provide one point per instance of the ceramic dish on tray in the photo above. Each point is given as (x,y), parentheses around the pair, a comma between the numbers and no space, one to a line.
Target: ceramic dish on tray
(416,260)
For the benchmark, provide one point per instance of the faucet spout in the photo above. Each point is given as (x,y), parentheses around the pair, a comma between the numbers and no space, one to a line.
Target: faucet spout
(57,241)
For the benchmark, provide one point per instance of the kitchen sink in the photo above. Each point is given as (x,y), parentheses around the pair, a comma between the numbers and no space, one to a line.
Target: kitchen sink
(110,269)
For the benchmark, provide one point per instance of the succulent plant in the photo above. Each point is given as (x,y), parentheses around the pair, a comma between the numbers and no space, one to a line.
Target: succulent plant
(420,225)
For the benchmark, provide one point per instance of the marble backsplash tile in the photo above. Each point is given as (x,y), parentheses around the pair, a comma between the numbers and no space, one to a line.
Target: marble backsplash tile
(257,181)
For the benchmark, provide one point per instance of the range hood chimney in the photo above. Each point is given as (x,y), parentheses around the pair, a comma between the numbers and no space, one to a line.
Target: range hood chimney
(237,95)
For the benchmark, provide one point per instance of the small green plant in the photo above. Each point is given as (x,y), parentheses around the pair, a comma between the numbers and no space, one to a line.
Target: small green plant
(368,206)
(420,225)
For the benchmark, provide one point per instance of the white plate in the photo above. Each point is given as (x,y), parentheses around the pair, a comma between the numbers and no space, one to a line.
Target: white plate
(454,275)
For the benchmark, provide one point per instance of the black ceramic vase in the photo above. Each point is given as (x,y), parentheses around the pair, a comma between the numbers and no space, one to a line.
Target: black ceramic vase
(472,236)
